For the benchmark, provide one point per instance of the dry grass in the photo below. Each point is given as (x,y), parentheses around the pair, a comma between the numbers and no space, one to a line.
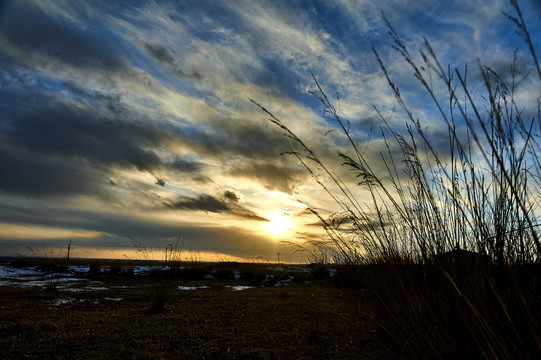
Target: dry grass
(311,321)
(475,192)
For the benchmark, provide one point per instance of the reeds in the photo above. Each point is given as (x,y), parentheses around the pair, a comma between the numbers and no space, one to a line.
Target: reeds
(162,279)
(475,202)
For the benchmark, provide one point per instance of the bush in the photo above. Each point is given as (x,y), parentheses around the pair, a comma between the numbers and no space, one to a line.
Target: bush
(320,272)
(129,272)
(224,274)
(94,269)
(18,264)
(349,276)
(114,270)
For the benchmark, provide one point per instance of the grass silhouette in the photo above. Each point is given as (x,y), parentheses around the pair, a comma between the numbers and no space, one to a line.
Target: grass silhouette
(448,244)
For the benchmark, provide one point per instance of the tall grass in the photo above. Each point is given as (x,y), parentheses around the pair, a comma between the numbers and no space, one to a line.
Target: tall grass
(476,201)
(162,279)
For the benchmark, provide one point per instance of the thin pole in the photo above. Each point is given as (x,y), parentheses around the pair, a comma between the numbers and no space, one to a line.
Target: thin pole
(69,249)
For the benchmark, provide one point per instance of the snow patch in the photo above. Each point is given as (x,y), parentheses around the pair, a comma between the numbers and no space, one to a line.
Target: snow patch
(284,282)
(192,287)
(239,287)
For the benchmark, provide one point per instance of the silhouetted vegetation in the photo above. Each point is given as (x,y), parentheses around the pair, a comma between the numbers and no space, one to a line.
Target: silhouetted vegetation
(448,245)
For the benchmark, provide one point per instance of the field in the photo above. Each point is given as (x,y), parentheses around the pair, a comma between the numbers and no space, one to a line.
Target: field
(235,311)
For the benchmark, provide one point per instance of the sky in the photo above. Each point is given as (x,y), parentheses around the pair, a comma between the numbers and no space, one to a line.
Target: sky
(123,120)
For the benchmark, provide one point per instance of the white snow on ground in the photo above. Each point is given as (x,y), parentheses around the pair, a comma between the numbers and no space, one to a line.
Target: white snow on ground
(63,302)
(239,287)
(332,272)
(284,282)
(73,282)
(79,269)
(34,277)
(59,302)
(142,270)
(7,271)
(192,287)
(85,287)
(48,281)
(68,279)
(122,287)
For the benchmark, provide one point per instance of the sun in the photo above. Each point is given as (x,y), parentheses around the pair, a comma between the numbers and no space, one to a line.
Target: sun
(279,223)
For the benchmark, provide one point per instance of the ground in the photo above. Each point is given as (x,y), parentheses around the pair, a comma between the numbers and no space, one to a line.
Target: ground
(108,317)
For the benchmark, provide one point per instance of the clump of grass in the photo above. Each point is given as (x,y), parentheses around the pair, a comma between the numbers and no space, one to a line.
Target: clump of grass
(434,215)
(161,280)
(94,269)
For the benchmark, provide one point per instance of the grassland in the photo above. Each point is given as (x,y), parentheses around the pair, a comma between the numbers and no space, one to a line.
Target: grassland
(108,317)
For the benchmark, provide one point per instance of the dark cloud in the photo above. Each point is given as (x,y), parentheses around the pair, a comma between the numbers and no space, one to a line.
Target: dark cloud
(77,90)
(272,177)
(160,182)
(186,166)
(230,195)
(163,56)
(251,139)
(226,137)
(113,102)
(6,60)
(247,214)
(41,37)
(213,204)
(202,202)
(70,132)
(193,74)
(159,53)
(24,173)
(203,179)
(53,145)
(503,72)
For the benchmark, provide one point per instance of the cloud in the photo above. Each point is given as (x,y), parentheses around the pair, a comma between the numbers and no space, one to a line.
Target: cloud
(78,132)
(112,101)
(159,53)
(231,196)
(190,74)
(202,202)
(271,177)
(25,174)
(36,37)
(222,137)
(72,143)
(186,166)
(228,204)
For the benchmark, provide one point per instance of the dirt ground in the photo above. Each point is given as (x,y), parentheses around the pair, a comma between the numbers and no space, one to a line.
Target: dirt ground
(111,321)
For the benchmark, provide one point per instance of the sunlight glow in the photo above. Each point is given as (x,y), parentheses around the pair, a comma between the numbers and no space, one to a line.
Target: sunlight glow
(279,223)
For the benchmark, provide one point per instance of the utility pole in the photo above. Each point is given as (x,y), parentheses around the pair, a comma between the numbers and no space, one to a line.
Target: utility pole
(69,249)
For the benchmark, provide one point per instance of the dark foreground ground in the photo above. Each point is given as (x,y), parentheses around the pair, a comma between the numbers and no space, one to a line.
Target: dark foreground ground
(110,320)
